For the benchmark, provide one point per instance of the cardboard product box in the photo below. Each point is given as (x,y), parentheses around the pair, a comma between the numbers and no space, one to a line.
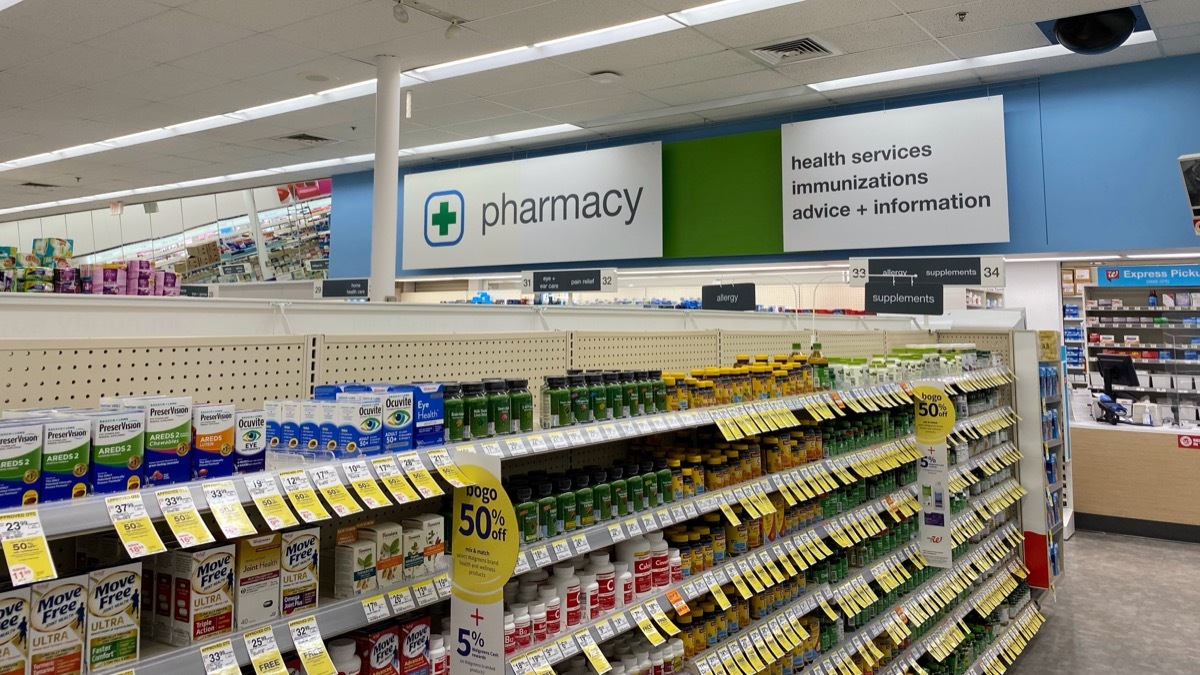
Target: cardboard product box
(213,432)
(14,638)
(354,569)
(206,595)
(250,441)
(379,648)
(414,647)
(388,538)
(57,626)
(113,616)
(431,529)
(258,577)
(299,565)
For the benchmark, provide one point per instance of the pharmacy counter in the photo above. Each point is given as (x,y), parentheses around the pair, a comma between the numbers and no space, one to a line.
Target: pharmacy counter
(1136,480)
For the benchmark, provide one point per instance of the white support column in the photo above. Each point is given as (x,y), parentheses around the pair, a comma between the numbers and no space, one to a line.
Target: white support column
(264,256)
(387,178)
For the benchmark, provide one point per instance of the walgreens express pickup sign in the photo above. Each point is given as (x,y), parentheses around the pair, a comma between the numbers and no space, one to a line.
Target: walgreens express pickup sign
(595,205)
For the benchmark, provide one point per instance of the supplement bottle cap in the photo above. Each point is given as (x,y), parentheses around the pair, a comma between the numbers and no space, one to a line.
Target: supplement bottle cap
(612,377)
(451,389)
(564,483)
(577,380)
(594,378)
(495,385)
(472,388)
(556,382)
(581,480)
(517,383)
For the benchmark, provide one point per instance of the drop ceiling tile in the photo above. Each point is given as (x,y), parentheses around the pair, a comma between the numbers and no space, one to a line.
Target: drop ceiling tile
(1163,13)
(514,78)
(984,15)
(248,57)
(922,5)
(431,47)
(338,71)
(500,125)
(1184,30)
(1070,62)
(606,107)
(431,96)
(19,46)
(82,65)
(24,145)
(358,25)
(561,18)
(268,161)
(171,3)
(564,93)
(680,121)
(172,146)
(245,132)
(224,98)
(169,163)
(365,132)
(861,63)
(87,103)
(422,137)
(997,41)
(722,87)
(467,111)
(791,21)
(695,69)
(145,116)
(1181,46)
(878,34)
(77,20)
(19,90)
(322,152)
(159,83)
(625,56)
(668,6)
(170,35)
(264,15)
(322,116)
(472,10)
(222,153)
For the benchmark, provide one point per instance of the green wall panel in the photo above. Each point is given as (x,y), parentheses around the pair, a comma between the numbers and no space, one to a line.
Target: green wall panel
(721,196)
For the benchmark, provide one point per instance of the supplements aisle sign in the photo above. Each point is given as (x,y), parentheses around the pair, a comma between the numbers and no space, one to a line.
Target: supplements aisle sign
(923,176)
(596,205)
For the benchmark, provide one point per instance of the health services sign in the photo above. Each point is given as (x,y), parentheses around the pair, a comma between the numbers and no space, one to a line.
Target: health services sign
(930,175)
(1150,275)
(595,205)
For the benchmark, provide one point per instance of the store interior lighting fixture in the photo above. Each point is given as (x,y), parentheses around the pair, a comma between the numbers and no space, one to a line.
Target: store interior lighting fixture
(696,16)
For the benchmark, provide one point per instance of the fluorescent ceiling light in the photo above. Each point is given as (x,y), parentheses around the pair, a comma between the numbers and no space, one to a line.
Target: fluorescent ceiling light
(1152,256)
(1062,258)
(5,4)
(727,9)
(476,64)
(959,65)
(277,108)
(655,25)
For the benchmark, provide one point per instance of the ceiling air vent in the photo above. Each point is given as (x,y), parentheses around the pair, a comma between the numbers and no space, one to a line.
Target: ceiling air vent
(792,51)
(41,186)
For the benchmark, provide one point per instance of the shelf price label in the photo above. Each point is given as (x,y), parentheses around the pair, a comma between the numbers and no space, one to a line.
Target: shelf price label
(393,479)
(219,659)
(364,485)
(25,548)
(410,463)
(137,533)
(226,507)
(449,470)
(375,609)
(270,503)
(264,653)
(310,647)
(336,495)
(182,517)
(303,497)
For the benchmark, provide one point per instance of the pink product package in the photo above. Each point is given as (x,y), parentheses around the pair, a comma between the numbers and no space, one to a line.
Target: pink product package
(108,279)
(165,283)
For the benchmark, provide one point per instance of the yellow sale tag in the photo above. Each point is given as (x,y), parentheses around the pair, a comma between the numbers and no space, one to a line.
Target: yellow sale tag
(364,485)
(264,653)
(182,517)
(660,617)
(599,663)
(827,609)
(303,498)
(730,515)
(393,479)
(410,463)
(336,495)
(449,470)
(25,548)
(270,503)
(310,647)
(719,594)
(137,533)
(226,507)
(219,659)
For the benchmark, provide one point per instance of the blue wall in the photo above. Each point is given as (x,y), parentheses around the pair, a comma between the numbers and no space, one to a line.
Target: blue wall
(1091,164)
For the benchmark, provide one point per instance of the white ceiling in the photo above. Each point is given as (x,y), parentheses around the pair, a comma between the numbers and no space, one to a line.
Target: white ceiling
(80,71)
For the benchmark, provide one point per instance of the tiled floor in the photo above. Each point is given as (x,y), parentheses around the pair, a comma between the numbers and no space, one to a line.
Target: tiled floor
(1126,606)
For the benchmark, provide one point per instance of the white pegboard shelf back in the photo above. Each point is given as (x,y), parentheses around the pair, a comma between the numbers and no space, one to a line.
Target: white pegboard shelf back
(734,342)
(674,350)
(857,344)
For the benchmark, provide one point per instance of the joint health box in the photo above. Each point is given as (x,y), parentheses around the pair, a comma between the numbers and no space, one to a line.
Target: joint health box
(299,570)
(212,440)
(204,596)
(113,616)
(258,565)
(168,443)
(250,441)
(20,463)
(14,622)
(58,624)
(118,438)
(66,458)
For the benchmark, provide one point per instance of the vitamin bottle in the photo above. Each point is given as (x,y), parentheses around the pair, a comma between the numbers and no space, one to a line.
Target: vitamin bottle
(584,500)
(521,412)
(475,411)
(452,411)
(625,588)
(499,408)
(555,399)
(645,389)
(549,599)
(568,592)
(581,406)
(521,620)
(566,514)
(527,513)
(620,492)
(614,394)
(537,622)
(597,396)
(650,485)
(510,634)
(606,578)
(601,495)
(547,510)
(439,658)
(629,394)
(662,473)
(634,483)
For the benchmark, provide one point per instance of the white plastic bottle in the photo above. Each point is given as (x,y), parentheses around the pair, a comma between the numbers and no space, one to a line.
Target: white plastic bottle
(524,632)
(589,596)
(537,622)
(342,653)
(625,590)
(677,654)
(629,663)
(676,564)
(660,564)
(656,662)
(549,597)
(510,591)
(638,557)
(607,579)
(568,592)
(510,634)
(643,660)
(439,658)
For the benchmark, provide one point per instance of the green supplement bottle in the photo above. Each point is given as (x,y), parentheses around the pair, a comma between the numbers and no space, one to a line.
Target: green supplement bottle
(555,399)
(658,388)
(629,394)
(521,410)
(475,411)
(581,402)
(584,499)
(662,476)
(650,485)
(601,495)
(620,492)
(527,513)
(547,507)
(612,387)
(645,393)
(499,408)
(634,484)
(597,396)
(566,515)
(452,412)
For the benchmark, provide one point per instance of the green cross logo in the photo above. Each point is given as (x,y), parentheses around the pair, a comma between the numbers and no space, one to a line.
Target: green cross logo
(445,218)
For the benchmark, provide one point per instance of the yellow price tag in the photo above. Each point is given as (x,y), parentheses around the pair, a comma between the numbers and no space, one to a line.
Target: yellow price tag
(449,470)
(136,532)
(660,617)
(715,590)
(226,507)
(264,653)
(599,663)
(25,548)
(181,515)
(410,463)
(730,515)
(310,647)
(364,485)
(303,497)
(336,495)
(393,479)
(270,503)
(219,659)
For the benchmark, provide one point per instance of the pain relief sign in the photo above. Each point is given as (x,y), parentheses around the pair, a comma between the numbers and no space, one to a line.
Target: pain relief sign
(596,205)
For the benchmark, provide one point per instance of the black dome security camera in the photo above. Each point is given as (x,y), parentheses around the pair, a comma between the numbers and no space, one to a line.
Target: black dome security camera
(1096,33)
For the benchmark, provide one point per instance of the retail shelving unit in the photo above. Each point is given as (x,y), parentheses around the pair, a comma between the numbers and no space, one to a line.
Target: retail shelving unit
(1074,341)
(1044,513)
(248,370)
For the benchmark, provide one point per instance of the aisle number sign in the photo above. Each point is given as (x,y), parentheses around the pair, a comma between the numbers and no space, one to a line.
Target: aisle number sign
(25,549)
(934,421)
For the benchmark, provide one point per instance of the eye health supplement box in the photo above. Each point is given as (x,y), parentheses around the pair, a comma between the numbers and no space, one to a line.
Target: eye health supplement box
(20,462)
(58,624)
(114,616)
(250,441)
(118,438)
(298,583)
(168,443)
(66,458)
(213,432)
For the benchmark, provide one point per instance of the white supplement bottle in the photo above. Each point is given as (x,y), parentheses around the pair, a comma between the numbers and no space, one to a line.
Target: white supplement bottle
(439,658)
(606,578)
(568,592)
(522,622)
(510,634)
(549,599)
(537,622)
(342,653)
(624,584)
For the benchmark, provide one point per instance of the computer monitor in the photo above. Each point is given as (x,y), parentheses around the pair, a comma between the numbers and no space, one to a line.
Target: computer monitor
(1115,369)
